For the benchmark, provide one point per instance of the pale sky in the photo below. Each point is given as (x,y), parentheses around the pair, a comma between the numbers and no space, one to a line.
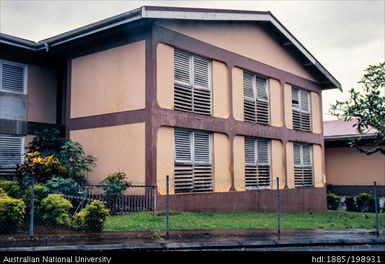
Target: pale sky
(345,36)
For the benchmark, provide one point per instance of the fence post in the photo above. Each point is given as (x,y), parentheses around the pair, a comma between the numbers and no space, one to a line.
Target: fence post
(278,208)
(167,207)
(376,206)
(154,193)
(32,211)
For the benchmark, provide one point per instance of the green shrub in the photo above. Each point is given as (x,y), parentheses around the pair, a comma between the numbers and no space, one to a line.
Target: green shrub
(54,210)
(41,192)
(63,186)
(333,201)
(114,185)
(12,212)
(75,163)
(351,205)
(365,202)
(12,188)
(91,218)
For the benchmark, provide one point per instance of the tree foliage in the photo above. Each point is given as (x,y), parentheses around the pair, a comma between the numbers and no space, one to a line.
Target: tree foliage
(367,106)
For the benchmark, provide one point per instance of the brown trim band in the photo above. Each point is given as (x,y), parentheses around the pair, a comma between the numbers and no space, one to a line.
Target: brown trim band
(105,120)
(33,127)
(232,127)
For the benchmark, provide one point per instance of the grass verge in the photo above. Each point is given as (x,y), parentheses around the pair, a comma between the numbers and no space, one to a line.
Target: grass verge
(243,220)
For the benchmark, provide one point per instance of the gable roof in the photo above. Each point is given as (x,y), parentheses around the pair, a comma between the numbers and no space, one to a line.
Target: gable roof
(157,12)
(342,130)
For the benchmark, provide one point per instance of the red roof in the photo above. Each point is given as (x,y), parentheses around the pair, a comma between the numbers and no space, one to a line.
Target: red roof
(343,129)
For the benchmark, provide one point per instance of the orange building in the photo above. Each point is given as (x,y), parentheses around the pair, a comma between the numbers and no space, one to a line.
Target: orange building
(222,101)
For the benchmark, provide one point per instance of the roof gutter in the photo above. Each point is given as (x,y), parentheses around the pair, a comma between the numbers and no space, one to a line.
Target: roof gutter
(97,27)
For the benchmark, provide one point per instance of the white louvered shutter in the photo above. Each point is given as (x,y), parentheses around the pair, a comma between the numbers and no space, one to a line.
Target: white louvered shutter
(183,145)
(250,164)
(183,170)
(305,108)
(307,166)
(11,151)
(263,169)
(12,77)
(201,91)
(202,162)
(249,101)
(301,110)
(262,101)
(182,87)
(257,163)
(192,91)
(303,168)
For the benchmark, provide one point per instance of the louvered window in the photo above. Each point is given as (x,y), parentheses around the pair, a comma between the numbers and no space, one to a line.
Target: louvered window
(193,170)
(257,163)
(11,153)
(256,99)
(301,110)
(303,165)
(12,77)
(192,92)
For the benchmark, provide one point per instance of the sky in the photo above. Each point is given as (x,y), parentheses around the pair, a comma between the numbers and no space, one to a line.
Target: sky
(345,36)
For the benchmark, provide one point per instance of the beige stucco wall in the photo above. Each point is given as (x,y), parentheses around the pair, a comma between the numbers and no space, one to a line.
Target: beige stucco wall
(109,81)
(237,91)
(247,39)
(116,148)
(42,92)
(221,93)
(277,164)
(346,166)
(165,158)
(275,96)
(221,162)
(165,76)
(318,156)
(239,163)
(316,113)
(287,105)
(290,164)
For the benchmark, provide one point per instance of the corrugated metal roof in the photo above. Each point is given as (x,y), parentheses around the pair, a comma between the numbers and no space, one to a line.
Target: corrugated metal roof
(340,129)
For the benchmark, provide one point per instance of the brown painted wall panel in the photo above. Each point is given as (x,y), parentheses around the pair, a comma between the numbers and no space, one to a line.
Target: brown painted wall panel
(41,93)
(346,166)
(109,81)
(292,200)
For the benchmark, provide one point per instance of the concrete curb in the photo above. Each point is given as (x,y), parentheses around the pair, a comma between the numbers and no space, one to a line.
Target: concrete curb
(175,246)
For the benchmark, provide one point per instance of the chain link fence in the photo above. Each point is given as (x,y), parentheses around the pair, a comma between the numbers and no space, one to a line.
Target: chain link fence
(165,210)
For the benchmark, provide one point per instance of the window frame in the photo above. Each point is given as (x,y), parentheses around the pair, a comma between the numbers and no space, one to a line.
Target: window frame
(257,163)
(192,148)
(301,112)
(303,166)
(191,85)
(256,98)
(22,144)
(25,76)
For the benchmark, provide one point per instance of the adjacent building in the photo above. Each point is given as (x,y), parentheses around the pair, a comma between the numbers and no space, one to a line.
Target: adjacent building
(224,102)
(348,171)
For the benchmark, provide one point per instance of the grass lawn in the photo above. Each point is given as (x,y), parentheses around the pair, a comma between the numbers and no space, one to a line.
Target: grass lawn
(243,220)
